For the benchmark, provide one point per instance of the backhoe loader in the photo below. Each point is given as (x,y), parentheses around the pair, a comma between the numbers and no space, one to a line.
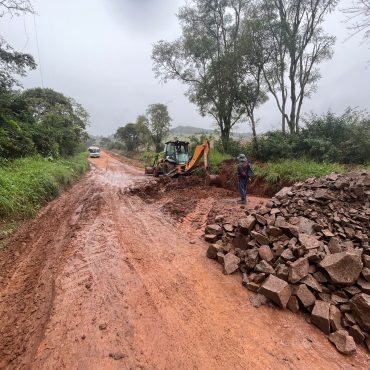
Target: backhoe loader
(176,161)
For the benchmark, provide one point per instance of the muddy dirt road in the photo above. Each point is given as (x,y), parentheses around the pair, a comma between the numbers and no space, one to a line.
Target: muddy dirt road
(103,280)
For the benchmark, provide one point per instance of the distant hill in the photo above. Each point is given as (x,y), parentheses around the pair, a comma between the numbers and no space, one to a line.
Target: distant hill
(189,130)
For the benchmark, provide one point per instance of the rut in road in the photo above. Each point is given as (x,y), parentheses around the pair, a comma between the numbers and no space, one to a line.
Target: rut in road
(102,279)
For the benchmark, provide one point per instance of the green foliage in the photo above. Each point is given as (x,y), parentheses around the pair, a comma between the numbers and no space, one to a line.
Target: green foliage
(216,157)
(276,145)
(129,134)
(12,63)
(344,138)
(195,140)
(148,157)
(15,139)
(327,138)
(26,184)
(135,136)
(40,121)
(159,124)
(210,58)
(234,148)
(293,170)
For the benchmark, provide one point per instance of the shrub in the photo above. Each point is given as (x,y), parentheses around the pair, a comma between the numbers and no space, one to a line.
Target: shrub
(235,147)
(325,138)
(293,170)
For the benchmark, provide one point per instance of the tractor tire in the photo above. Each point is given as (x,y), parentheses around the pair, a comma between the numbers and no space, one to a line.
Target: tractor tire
(156,172)
(168,167)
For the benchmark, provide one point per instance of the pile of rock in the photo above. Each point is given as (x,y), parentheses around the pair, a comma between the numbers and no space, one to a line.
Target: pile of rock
(307,249)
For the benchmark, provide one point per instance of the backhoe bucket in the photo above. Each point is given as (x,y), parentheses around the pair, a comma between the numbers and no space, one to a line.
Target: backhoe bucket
(214,180)
(149,170)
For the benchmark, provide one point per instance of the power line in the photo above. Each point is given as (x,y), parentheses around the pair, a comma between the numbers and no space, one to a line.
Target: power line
(38,51)
(25,32)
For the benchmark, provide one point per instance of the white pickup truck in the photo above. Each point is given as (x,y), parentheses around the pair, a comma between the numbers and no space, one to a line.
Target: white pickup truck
(94,152)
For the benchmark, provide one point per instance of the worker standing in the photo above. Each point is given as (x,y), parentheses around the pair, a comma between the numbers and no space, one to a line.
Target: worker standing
(244,172)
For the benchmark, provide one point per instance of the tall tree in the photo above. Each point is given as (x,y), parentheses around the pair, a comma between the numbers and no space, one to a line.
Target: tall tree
(206,59)
(159,123)
(254,53)
(142,125)
(130,135)
(298,44)
(59,122)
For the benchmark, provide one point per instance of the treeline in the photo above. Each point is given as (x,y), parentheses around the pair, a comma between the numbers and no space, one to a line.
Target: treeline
(147,132)
(329,137)
(40,121)
(34,121)
(235,54)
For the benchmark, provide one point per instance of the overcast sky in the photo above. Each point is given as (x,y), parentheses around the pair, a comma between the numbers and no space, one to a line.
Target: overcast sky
(99,52)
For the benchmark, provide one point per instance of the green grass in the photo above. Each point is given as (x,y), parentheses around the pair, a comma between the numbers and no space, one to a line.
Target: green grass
(294,170)
(28,183)
(216,157)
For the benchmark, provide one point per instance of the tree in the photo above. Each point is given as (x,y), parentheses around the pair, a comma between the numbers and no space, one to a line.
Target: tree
(206,58)
(58,122)
(15,7)
(129,134)
(159,123)
(297,45)
(142,126)
(359,15)
(254,54)
(12,62)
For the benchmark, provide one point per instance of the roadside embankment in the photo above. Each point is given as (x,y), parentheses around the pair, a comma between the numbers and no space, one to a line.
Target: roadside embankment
(28,183)
(270,177)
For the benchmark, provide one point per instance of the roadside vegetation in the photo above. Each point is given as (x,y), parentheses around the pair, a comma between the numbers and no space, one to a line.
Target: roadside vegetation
(290,171)
(28,183)
(42,136)
(235,55)
(326,143)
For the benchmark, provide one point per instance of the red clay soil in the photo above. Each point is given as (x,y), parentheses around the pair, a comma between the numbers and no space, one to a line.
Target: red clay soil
(102,279)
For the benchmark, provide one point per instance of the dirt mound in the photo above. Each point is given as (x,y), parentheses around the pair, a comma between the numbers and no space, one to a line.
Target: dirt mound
(155,188)
(307,249)
(178,196)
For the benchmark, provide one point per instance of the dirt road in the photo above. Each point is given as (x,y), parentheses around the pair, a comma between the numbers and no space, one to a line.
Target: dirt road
(103,280)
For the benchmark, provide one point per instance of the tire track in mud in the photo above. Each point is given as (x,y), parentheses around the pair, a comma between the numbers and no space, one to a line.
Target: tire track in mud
(29,266)
(130,291)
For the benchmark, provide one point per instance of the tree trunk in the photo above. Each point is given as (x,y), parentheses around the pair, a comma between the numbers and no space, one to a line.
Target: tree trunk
(225,136)
(283,120)
(254,132)
(292,120)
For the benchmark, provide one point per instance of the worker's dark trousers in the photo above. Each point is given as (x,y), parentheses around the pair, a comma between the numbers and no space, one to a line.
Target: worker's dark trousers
(243,188)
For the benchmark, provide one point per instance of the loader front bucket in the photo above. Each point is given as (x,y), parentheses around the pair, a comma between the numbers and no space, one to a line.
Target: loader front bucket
(214,180)
(149,170)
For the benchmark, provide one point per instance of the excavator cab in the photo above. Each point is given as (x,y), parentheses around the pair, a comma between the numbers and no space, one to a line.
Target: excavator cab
(176,152)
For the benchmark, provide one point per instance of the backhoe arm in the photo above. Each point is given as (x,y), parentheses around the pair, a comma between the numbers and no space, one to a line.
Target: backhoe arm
(200,151)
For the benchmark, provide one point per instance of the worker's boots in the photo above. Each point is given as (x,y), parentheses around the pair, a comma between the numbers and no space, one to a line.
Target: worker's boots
(242,201)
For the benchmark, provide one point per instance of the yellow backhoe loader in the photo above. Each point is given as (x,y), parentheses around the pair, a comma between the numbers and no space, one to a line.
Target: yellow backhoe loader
(176,161)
